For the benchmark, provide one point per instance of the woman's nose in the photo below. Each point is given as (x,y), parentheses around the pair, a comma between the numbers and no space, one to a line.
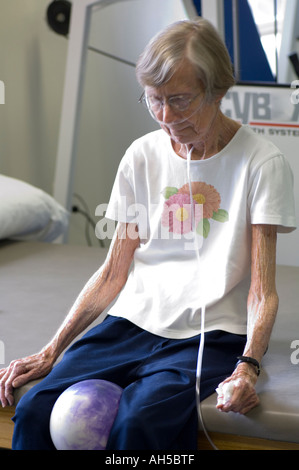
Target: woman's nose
(167,114)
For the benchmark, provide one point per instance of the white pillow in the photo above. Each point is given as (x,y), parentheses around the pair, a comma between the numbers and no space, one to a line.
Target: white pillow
(28,213)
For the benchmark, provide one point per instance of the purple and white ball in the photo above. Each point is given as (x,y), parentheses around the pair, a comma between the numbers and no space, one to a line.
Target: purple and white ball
(83,415)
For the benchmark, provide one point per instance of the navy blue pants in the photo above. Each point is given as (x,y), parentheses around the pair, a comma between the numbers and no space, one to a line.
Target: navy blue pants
(157,410)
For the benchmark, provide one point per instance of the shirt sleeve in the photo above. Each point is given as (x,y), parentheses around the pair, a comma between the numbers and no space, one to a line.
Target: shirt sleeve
(122,196)
(271,195)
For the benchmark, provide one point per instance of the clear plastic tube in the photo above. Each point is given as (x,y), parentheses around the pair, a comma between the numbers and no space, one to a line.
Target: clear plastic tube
(203,311)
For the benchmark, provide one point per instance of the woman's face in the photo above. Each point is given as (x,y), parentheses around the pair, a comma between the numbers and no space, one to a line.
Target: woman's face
(191,125)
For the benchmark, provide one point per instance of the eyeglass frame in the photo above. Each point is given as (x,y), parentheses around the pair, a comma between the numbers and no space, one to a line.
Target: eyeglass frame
(144,100)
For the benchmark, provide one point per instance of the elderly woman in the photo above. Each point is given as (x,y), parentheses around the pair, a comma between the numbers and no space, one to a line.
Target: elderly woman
(198,204)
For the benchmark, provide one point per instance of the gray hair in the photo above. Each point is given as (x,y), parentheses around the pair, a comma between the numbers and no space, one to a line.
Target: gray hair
(199,42)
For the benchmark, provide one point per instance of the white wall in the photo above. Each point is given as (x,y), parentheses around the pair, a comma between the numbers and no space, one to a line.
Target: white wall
(32,62)
(32,66)
(112,117)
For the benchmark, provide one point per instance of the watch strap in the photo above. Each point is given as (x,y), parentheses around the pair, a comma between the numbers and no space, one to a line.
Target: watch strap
(249,360)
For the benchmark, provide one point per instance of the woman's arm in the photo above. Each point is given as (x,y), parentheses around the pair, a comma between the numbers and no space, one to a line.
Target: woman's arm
(262,303)
(97,294)
(262,308)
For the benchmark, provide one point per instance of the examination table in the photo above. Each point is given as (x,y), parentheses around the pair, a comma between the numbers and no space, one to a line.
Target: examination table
(39,282)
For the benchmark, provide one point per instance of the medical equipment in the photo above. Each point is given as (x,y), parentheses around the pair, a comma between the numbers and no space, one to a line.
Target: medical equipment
(79,28)
(178,103)
(203,311)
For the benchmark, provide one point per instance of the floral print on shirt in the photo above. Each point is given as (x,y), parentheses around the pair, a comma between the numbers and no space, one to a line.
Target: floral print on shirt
(177,211)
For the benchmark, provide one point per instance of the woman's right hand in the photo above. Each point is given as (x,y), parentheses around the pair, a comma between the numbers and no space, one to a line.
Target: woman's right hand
(21,371)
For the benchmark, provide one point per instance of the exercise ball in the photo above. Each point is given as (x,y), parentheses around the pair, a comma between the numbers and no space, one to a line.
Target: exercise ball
(83,415)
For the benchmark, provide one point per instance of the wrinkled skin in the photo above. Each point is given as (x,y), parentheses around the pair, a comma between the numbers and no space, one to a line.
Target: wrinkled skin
(207,131)
(98,293)
(262,309)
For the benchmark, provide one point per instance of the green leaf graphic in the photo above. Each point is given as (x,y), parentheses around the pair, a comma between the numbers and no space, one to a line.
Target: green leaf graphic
(221,215)
(203,228)
(169,191)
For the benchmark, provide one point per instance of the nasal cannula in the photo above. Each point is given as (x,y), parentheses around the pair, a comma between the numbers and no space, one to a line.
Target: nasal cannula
(203,311)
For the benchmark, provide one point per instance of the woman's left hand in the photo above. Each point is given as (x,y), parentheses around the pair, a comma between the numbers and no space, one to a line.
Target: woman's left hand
(237,393)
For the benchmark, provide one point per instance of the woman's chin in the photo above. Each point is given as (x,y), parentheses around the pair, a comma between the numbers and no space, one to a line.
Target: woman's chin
(181,139)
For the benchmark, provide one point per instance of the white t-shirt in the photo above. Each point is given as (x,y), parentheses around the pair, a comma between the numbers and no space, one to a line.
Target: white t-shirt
(248,182)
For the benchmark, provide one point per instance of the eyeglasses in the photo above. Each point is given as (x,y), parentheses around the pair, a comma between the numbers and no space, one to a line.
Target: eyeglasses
(179,103)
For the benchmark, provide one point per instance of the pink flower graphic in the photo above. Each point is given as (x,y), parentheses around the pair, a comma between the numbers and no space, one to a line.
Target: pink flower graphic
(177,215)
(204,194)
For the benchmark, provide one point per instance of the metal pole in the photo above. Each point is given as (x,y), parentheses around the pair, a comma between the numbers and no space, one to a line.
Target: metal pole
(213,10)
(236,39)
(72,99)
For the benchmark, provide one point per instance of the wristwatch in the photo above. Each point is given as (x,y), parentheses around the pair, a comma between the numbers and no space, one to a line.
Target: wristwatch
(249,360)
